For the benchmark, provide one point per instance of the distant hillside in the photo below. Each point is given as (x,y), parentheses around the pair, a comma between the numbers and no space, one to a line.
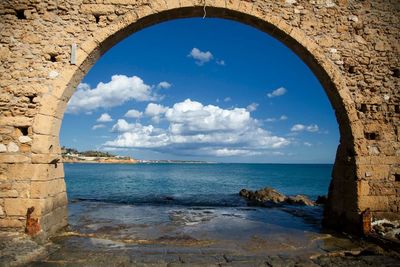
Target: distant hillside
(88,153)
(72,155)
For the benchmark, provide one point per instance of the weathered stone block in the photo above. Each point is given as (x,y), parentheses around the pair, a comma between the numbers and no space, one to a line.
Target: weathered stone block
(43,189)
(11,223)
(374,203)
(46,125)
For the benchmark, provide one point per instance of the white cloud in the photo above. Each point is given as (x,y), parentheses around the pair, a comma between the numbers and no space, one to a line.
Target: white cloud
(155,111)
(283,117)
(227,152)
(307,144)
(252,107)
(298,128)
(119,90)
(200,57)
(133,113)
(98,126)
(312,128)
(278,92)
(197,129)
(227,99)
(301,127)
(164,85)
(105,117)
(221,62)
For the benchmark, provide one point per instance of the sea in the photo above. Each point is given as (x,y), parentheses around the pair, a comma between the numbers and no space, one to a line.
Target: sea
(192,185)
(192,214)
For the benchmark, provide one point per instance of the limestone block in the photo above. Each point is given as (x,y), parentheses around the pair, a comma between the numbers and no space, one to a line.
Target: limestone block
(12,147)
(46,158)
(24,139)
(46,125)
(43,144)
(98,9)
(3,148)
(374,203)
(23,188)
(35,172)
(363,188)
(16,121)
(41,189)
(12,193)
(14,158)
(19,206)
(54,220)
(11,223)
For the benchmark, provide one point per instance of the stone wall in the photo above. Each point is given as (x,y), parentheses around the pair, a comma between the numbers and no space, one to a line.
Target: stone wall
(352,46)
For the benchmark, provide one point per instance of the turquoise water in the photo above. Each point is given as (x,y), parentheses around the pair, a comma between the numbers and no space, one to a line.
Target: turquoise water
(191,184)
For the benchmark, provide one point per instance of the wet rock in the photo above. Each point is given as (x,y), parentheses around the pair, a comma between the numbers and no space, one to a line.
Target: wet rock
(387,229)
(300,200)
(265,196)
(269,196)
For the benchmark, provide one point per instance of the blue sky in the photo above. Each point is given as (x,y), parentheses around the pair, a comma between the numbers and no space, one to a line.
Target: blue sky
(199,89)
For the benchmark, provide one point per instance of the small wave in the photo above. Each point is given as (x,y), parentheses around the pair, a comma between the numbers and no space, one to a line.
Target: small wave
(187,201)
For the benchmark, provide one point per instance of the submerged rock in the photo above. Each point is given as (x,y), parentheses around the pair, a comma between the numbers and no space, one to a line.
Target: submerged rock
(269,196)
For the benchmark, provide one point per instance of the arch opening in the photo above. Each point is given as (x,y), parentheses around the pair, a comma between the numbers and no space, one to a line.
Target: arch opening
(342,212)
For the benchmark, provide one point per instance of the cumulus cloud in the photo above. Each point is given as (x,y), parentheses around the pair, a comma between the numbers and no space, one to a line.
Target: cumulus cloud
(119,90)
(200,129)
(200,56)
(105,117)
(278,92)
(155,111)
(164,85)
(252,107)
(301,127)
(220,62)
(133,113)
(98,126)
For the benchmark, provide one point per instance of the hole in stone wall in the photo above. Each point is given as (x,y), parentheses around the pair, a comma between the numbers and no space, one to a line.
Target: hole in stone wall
(31,97)
(97,18)
(397,177)
(371,136)
(23,130)
(396,72)
(397,109)
(363,108)
(352,69)
(53,57)
(20,14)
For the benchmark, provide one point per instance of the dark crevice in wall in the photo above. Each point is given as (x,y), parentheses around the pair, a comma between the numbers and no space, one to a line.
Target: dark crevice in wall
(20,14)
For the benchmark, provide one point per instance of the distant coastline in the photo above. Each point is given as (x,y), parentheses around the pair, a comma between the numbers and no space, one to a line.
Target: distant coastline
(71,155)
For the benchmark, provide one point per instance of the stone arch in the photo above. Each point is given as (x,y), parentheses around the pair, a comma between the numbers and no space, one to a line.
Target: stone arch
(349,190)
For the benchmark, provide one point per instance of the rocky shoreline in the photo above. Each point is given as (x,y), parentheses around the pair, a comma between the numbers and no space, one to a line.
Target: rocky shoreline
(268,197)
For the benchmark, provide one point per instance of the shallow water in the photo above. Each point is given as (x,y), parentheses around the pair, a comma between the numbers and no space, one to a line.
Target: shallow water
(191,215)
(196,205)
